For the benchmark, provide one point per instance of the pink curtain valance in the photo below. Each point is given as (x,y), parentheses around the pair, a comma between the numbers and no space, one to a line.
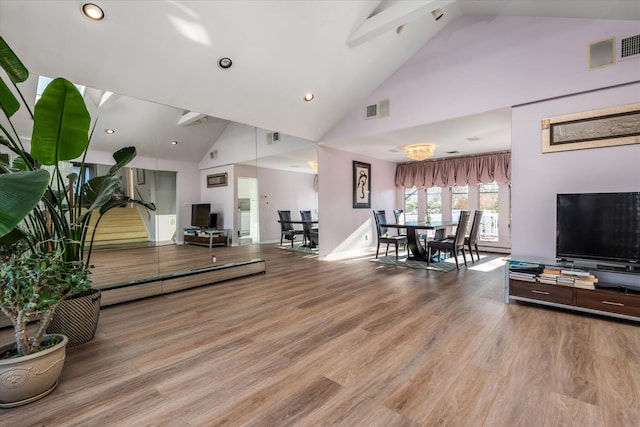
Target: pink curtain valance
(456,171)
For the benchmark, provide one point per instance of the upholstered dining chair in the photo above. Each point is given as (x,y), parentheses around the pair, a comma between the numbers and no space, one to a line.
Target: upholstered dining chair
(286,228)
(399,215)
(309,228)
(380,217)
(472,238)
(454,245)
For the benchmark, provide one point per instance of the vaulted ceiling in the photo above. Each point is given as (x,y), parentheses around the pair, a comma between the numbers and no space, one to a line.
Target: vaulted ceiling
(167,52)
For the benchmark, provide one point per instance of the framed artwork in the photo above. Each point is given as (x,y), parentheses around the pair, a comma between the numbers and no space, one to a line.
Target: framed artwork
(361,185)
(140,176)
(592,129)
(217,180)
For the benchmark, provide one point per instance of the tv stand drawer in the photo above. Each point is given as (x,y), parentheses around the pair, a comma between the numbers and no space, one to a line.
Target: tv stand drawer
(614,302)
(542,292)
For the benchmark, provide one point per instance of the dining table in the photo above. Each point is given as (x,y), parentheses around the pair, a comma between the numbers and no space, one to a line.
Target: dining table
(418,251)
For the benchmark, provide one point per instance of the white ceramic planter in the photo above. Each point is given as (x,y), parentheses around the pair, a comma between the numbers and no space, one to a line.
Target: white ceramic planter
(29,378)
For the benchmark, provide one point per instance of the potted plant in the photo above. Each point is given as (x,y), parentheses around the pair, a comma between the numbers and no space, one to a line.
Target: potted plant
(33,283)
(48,211)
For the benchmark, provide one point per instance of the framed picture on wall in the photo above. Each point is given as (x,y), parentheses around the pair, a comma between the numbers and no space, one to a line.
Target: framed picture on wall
(592,129)
(217,180)
(361,185)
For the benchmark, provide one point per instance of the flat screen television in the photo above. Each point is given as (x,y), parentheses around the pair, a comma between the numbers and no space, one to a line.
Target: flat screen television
(599,226)
(200,215)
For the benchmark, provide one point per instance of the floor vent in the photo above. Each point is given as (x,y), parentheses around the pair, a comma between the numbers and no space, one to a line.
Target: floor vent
(629,48)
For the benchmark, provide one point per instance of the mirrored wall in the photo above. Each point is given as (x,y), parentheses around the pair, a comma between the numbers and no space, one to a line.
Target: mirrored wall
(185,158)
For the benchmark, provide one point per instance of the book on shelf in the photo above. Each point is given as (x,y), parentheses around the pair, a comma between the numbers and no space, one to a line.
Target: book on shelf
(575,273)
(550,270)
(546,281)
(583,284)
(565,279)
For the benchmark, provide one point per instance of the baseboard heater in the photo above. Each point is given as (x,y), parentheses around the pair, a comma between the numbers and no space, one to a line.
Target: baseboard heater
(172,282)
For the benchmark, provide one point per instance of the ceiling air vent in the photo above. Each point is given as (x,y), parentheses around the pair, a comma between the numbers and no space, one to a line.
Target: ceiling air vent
(629,48)
(372,111)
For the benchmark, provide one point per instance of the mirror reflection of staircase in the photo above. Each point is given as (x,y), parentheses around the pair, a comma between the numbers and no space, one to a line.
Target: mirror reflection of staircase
(120,226)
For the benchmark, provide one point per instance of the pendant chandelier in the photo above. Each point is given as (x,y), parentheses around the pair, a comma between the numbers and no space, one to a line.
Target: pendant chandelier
(419,151)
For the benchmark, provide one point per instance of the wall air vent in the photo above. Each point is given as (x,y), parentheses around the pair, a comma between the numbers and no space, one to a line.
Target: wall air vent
(213,154)
(629,48)
(371,112)
(273,137)
(384,108)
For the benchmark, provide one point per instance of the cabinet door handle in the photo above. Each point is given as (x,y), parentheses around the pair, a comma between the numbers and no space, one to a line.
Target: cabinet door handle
(619,304)
(540,292)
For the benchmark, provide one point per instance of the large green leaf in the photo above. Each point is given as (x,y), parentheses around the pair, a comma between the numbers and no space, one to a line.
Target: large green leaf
(9,61)
(60,124)
(122,157)
(20,192)
(98,190)
(8,103)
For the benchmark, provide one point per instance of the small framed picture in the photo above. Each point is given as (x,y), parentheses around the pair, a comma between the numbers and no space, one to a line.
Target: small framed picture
(217,180)
(361,185)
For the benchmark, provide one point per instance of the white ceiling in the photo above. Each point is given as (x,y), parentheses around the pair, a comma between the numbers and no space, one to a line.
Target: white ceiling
(167,52)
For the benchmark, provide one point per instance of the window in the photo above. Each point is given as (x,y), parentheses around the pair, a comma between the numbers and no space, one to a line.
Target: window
(410,204)
(43,82)
(459,201)
(434,203)
(488,203)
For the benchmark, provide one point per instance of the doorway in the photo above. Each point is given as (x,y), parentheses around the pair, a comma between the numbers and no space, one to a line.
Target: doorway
(247,215)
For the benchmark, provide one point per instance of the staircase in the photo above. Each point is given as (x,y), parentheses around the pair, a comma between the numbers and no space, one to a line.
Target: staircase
(117,226)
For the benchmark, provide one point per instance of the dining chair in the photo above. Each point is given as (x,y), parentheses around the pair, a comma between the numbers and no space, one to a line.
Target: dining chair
(380,217)
(472,238)
(313,228)
(454,245)
(286,228)
(399,215)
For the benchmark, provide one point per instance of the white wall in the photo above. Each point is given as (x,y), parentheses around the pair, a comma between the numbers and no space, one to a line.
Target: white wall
(537,178)
(343,229)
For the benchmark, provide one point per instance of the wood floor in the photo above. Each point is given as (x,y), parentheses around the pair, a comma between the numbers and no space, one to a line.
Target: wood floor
(347,343)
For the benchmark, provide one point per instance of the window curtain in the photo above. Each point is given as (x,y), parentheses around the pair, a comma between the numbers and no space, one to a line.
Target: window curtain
(456,171)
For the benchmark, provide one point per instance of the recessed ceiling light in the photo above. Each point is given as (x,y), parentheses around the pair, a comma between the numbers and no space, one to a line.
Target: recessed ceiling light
(309,97)
(109,131)
(472,138)
(174,142)
(93,11)
(453,152)
(225,63)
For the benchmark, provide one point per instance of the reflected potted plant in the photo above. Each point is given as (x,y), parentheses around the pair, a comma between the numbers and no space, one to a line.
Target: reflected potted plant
(42,207)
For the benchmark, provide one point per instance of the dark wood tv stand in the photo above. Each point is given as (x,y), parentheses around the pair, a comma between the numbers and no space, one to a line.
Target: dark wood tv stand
(206,237)
(606,300)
